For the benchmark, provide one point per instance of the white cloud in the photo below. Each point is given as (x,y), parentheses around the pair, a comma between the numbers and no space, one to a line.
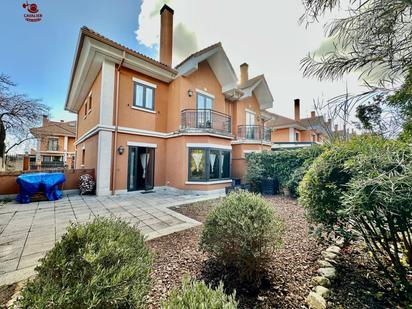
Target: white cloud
(265,34)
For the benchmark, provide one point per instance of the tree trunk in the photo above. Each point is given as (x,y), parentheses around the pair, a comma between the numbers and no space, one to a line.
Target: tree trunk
(2,141)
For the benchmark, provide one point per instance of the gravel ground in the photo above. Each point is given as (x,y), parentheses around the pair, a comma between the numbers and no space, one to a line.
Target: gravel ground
(287,282)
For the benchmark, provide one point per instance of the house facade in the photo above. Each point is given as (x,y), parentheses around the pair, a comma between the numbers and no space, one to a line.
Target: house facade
(55,143)
(144,124)
(287,133)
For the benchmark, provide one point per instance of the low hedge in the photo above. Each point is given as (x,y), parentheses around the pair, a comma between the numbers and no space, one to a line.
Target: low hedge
(196,294)
(102,264)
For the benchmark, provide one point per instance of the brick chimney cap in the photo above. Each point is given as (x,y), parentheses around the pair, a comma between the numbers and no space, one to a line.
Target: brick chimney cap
(244,64)
(166,7)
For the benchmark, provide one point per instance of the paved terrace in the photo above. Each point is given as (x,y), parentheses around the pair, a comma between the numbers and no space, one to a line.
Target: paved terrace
(27,231)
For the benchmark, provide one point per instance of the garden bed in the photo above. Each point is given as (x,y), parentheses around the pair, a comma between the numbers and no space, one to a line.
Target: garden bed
(287,281)
(361,284)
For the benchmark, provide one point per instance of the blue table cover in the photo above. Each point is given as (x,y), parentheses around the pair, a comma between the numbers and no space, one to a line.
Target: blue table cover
(30,184)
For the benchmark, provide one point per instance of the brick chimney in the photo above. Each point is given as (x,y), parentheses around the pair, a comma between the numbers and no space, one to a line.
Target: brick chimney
(297,109)
(166,35)
(312,114)
(244,72)
(45,119)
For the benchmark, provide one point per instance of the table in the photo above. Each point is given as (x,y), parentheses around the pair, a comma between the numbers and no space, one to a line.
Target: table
(48,183)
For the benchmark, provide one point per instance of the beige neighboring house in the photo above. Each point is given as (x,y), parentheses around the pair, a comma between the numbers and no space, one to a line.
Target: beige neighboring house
(55,143)
(297,132)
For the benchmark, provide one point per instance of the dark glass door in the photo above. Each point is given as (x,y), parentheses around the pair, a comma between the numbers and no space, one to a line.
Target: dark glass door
(140,174)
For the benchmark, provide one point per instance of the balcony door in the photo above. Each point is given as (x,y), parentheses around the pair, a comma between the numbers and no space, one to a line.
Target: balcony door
(250,125)
(204,106)
(140,175)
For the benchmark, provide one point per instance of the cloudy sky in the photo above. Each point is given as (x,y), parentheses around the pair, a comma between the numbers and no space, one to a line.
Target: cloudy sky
(265,34)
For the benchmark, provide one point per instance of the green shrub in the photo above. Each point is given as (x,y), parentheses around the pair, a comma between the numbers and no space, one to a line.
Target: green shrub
(280,165)
(194,294)
(103,264)
(242,232)
(365,186)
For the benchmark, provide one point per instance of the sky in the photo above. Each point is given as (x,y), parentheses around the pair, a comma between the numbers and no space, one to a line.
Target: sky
(265,34)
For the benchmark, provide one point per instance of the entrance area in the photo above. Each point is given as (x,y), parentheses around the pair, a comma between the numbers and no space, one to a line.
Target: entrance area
(140,175)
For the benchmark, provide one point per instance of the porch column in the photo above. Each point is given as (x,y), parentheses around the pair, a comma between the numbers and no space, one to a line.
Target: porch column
(291,135)
(38,147)
(65,149)
(104,146)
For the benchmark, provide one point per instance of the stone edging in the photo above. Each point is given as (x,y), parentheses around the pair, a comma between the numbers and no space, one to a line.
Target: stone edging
(327,273)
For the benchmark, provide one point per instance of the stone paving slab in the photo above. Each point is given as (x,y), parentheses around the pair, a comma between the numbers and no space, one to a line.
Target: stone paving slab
(28,231)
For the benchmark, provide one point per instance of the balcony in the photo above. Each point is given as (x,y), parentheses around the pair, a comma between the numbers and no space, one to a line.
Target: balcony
(258,133)
(205,120)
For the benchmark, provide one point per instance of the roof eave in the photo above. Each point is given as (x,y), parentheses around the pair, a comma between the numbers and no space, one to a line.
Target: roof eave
(93,49)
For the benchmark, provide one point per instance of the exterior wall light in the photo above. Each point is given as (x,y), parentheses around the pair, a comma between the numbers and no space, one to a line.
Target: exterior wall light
(120,150)
(190,92)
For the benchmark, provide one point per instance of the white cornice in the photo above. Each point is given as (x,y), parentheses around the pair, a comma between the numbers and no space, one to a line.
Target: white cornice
(134,131)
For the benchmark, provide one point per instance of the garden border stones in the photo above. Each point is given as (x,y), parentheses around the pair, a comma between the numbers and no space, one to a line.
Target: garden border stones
(327,273)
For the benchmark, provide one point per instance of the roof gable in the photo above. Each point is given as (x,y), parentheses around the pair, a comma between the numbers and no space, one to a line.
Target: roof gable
(218,62)
(55,128)
(260,88)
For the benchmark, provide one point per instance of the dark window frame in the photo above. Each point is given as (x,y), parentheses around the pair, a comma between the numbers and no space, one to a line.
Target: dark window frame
(135,83)
(90,103)
(207,164)
(83,156)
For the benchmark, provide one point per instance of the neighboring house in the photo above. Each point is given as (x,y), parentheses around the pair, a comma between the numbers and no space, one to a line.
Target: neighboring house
(55,143)
(298,132)
(144,124)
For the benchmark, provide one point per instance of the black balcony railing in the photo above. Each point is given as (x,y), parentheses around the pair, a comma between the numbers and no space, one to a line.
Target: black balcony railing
(254,133)
(205,120)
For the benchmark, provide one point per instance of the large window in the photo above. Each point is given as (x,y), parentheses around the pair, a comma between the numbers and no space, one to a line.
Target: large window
(208,164)
(53,144)
(143,96)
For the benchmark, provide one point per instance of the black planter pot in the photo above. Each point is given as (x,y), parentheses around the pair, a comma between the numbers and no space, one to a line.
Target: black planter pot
(269,186)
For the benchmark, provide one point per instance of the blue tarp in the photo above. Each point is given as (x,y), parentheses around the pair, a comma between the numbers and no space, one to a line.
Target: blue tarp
(48,183)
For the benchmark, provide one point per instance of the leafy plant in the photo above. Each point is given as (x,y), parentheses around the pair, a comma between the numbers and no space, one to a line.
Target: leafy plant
(194,294)
(103,264)
(242,232)
(365,187)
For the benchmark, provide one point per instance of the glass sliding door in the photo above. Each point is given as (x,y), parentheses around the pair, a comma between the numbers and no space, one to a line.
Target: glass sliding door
(140,174)
(250,125)
(204,107)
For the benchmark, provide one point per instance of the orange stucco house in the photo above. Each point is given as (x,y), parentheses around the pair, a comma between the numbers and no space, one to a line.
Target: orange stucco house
(288,133)
(143,123)
(55,143)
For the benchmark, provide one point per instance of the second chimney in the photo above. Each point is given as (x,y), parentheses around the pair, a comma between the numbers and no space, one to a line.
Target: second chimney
(45,119)
(297,109)
(166,35)
(244,72)
(313,114)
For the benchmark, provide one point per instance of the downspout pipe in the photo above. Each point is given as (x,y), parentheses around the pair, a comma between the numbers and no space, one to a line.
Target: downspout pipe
(116,124)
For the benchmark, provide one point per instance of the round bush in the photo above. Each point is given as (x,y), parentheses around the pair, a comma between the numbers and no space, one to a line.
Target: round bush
(194,294)
(103,264)
(242,232)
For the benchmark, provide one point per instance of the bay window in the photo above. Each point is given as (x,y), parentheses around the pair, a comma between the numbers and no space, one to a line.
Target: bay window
(209,164)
